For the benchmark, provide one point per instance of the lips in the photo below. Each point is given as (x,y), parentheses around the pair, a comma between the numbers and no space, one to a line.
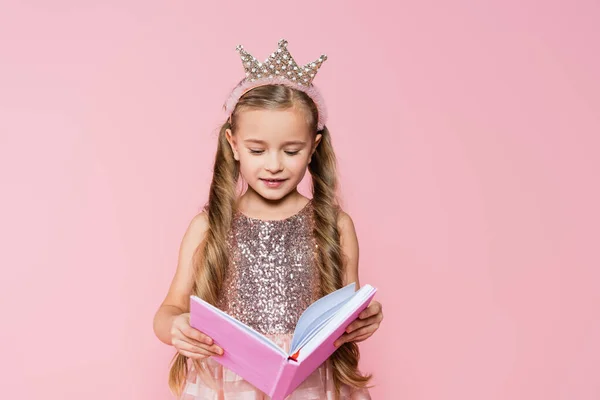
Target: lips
(273,183)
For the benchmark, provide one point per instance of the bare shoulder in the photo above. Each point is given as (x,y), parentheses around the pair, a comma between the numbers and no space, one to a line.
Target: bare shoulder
(198,225)
(193,237)
(349,245)
(182,283)
(344,222)
(347,232)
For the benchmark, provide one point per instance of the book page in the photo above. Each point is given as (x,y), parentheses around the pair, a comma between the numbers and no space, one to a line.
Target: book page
(318,324)
(319,312)
(328,327)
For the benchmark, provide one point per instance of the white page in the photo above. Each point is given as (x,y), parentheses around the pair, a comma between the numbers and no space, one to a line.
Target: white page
(318,311)
(318,324)
(346,310)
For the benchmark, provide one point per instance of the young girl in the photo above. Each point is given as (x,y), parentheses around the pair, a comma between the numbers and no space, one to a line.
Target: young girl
(264,256)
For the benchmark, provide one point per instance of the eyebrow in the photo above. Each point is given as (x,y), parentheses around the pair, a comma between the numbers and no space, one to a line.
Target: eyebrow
(285,143)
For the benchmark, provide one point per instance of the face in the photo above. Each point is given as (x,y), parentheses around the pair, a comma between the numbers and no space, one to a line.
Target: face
(273,148)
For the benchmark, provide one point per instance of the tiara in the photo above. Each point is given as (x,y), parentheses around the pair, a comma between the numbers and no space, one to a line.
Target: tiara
(279,68)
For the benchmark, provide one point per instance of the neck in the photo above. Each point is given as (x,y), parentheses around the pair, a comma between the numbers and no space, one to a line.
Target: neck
(253,203)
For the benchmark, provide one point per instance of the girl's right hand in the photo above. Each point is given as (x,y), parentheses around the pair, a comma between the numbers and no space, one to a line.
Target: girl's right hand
(189,341)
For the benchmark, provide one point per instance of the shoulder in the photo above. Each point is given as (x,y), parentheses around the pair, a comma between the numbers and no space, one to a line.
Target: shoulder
(199,223)
(344,222)
(349,247)
(195,232)
(347,232)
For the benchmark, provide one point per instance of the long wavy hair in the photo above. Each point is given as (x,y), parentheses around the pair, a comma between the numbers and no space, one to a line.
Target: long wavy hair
(211,256)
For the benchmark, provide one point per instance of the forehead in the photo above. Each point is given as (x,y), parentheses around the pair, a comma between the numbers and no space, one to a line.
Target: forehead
(273,125)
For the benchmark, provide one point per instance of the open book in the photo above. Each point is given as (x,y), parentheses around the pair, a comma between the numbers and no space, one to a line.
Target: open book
(262,362)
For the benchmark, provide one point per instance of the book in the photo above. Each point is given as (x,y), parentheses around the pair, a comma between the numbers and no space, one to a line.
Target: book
(262,362)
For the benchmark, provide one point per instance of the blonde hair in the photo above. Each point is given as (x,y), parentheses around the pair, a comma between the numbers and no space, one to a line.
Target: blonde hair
(211,255)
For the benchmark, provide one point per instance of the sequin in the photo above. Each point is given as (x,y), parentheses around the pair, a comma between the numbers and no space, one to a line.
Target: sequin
(272,277)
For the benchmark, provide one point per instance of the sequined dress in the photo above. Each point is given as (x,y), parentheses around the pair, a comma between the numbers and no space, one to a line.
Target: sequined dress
(271,280)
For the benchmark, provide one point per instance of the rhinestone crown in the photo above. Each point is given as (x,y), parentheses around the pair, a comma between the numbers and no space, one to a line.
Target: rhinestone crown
(280,64)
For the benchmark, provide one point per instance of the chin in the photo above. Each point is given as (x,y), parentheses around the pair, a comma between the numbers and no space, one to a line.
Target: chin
(272,195)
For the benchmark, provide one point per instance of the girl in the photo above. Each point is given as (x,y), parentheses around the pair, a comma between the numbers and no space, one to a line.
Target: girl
(265,255)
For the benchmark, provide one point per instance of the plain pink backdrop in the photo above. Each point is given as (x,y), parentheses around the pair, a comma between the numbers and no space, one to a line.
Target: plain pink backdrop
(467,137)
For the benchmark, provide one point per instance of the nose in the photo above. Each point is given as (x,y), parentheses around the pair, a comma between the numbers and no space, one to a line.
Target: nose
(273,162)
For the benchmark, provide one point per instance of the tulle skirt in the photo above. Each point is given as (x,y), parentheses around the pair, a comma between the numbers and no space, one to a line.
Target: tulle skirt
(224,384)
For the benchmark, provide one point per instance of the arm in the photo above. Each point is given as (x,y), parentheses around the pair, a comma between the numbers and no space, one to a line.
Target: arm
(349,244)
(368,321)
(178,297)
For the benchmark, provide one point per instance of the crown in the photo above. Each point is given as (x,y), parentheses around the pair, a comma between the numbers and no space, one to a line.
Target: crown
(280,64)
(279,68)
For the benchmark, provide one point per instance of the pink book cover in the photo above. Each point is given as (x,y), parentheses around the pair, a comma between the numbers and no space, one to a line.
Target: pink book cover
(262,362)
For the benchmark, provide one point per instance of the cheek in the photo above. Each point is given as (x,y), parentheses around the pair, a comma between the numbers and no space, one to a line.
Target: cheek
(249,163)
(297,164)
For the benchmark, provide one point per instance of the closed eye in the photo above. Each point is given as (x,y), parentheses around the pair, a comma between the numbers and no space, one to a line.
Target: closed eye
(292,153)
(252,151)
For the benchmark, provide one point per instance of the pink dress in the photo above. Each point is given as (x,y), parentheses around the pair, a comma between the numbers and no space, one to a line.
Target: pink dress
(271,280)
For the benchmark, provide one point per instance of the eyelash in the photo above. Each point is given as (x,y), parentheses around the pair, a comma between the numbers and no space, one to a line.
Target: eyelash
(289,153)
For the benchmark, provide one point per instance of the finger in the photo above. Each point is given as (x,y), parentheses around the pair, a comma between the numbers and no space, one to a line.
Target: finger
(194,356)
(192,345)
(367,329)
(362,337)
(197,335)
(341,340)
(192,341)
(358,323)
(192,351)
(367,312)
(372,309)
(347,338)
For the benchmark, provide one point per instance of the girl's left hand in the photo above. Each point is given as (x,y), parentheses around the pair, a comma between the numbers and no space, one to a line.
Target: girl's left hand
(364,326)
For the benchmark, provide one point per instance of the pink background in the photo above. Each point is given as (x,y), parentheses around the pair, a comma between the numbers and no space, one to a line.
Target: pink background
(467,137)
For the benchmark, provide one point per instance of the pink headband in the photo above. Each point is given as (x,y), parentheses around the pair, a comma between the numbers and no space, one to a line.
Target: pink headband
(246,86)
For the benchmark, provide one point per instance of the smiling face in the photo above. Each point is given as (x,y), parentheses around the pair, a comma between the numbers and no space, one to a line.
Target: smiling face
(273,148)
